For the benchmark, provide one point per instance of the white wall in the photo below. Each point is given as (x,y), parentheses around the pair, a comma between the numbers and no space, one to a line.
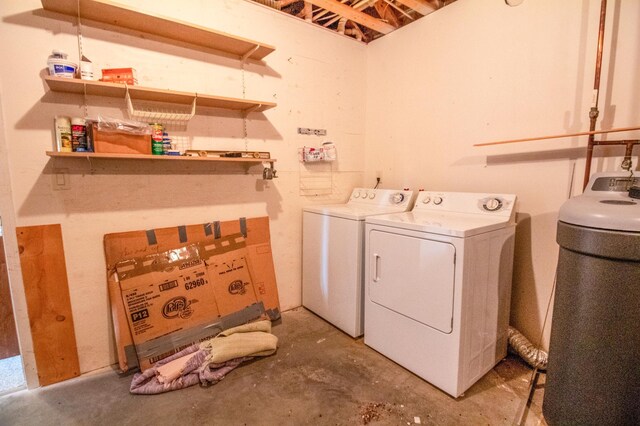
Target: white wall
(474,71)
(315,76)
(479,70)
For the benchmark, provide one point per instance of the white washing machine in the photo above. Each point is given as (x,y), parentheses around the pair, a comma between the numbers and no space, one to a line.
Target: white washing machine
(332,254)
(438,285)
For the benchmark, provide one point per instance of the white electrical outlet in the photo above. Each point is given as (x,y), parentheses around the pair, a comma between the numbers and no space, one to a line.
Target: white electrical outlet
(60,180)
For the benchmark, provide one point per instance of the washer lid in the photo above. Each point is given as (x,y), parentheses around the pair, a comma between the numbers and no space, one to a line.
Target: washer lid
(604,205)
(442,223)
(347,211)
(365,202)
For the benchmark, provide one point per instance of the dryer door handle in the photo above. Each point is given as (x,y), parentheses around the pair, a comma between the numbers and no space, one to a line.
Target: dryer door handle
(376,267)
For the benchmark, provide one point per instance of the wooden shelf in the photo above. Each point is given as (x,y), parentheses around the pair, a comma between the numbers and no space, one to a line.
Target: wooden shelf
(117,90)
(109,156)
(108,12)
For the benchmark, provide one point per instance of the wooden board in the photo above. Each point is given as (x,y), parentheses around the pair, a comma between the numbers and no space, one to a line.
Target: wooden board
(110,156)
(118,90)
(46,289)
(112,13)
(354,15)
(8,335)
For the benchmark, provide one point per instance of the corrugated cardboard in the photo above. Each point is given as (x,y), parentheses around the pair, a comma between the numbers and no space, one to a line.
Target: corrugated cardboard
(257,277)
(229,273)
(165,293)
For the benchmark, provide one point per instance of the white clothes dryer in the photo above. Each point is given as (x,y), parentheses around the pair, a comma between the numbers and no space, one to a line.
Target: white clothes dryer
(332,250)
(438,285)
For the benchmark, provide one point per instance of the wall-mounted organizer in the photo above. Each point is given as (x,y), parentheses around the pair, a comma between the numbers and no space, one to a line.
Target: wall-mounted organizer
(174,117)
(315,178)
(327,152)
(138,99)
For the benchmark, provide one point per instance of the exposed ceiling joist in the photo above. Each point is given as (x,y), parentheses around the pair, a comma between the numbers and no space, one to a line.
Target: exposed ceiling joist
(354,15)
(364,20)
(423,7)
(386,14)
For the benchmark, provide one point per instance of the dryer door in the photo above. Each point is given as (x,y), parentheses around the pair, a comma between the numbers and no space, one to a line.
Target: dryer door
(413,277)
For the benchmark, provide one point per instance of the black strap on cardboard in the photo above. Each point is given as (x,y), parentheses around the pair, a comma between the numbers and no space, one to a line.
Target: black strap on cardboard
(207,229)
(243,226)
(217,233)
(182,233)
(151,237)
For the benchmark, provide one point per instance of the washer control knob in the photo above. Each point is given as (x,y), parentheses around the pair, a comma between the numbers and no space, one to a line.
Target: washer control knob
(492,204)
(356,194)
(364,195)
(437,200)
(426,200)
(397,198)
(372,195)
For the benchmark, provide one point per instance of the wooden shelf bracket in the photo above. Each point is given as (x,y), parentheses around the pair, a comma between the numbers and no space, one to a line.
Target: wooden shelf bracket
(250,52)
(251,109)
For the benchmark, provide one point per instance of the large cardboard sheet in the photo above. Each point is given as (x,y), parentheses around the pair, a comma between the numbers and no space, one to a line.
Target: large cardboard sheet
(244,287)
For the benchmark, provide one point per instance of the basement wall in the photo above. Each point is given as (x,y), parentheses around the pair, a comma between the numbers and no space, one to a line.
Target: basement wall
(478,71)
(315,76)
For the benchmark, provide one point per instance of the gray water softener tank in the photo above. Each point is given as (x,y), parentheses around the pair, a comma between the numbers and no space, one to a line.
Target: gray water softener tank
(593,376)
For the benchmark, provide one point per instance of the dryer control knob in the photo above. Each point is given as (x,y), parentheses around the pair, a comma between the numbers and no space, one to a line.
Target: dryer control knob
(364,195)
(356,194)
(397,198)
(437,200)
(492,204)
(372,195)
(426,200)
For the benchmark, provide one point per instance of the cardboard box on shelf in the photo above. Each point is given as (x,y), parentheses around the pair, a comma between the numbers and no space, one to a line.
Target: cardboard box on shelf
(120,142)
(239,285)
(120,75)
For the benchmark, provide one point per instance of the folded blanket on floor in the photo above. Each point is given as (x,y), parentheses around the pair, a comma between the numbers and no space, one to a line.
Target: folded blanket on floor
(208,362)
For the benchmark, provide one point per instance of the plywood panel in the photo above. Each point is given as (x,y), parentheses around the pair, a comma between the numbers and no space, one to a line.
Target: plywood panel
(46,289)
(8,336)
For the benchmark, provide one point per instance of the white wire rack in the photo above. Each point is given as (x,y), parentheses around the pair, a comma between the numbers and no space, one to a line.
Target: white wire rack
(174,118)
(315,178)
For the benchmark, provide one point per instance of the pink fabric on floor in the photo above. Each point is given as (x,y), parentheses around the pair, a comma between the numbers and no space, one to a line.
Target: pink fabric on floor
(147,383)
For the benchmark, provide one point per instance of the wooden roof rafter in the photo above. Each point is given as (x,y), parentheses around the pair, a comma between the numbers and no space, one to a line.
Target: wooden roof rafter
(362,19)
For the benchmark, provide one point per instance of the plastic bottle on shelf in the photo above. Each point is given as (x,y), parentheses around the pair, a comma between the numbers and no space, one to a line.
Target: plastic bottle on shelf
(79,134)
(156,138)
(63,133)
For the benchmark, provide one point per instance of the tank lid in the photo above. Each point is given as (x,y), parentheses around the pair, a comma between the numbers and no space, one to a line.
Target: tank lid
(605,204)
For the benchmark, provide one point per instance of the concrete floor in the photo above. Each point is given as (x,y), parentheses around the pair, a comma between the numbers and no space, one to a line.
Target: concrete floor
(11,374)
(319,376)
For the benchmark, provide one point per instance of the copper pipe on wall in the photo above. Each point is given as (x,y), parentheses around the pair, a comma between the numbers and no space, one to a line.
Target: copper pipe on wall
(593,113)
(629,144)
